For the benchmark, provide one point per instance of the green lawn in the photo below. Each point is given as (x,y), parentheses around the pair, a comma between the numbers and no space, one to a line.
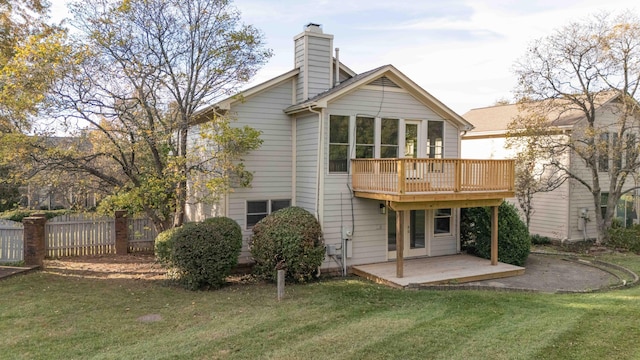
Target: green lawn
(47,316)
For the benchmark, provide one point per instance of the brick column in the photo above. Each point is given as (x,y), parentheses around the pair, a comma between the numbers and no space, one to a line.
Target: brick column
(122,233)
(34,240)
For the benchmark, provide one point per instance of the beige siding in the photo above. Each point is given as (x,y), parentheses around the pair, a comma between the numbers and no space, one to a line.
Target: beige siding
(580,195)
(272,163)
(307,162)
(319,65)
(369,242)
(549,216)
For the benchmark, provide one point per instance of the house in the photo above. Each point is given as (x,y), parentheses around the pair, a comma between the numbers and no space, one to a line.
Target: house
(566,213)
(373,156)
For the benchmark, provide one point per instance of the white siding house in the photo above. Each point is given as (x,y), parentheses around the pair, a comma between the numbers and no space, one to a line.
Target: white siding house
(557,214)
(333,137)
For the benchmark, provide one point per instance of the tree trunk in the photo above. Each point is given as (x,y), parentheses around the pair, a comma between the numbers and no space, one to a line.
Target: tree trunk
(181,188)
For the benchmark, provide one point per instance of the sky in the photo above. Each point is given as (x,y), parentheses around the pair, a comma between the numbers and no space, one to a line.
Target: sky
(463,52)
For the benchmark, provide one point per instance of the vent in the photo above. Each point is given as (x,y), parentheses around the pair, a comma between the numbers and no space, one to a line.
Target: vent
(384,81)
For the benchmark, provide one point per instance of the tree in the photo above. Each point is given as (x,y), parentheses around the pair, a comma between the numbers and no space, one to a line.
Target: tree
(141,71)
(30,52)
(535,172)
(574,72)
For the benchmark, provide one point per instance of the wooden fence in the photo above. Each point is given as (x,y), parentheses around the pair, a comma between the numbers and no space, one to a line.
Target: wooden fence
(11,242)
(77,235)
(142,234)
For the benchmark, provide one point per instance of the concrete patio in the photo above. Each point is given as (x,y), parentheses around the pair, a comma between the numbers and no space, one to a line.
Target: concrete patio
(436,270)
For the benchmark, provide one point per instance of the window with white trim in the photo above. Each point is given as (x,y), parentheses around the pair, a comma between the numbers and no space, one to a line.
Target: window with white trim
(435,143)
(365,137)
(259,209)
(442,221)
(338,143)
(389,138)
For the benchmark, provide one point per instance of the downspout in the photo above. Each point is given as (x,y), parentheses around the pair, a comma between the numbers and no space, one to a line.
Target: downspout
(294,161)
(337,78)
(318,159)
(318,167)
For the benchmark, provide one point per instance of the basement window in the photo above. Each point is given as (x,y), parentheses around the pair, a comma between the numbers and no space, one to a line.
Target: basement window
(259,209)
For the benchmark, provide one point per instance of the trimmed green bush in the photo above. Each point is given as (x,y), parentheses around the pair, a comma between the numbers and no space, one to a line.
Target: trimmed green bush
(625,239)
(540,240)
(205,253)
(514,242)
(289,239)
(163,246)
(226,227)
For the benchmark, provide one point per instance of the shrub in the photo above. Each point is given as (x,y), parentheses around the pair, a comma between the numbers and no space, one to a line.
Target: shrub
(226,226)
(19,214)
(205,253)
(625,238)
(163,246)
(290,239)
(514,242)
(540,240)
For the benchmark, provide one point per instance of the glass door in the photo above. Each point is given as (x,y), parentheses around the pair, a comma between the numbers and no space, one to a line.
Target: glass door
(415,233)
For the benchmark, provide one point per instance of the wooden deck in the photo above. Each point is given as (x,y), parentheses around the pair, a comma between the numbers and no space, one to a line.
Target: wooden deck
(436,270)
(467,182)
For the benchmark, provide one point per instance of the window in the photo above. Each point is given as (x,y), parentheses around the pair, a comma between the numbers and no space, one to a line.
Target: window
(442,221)
(256,211)
(631,149)
(338,143)
(603,150)
(389,138)
(625,212)
(435,144)
(365,139)
(259,209)
(617,155)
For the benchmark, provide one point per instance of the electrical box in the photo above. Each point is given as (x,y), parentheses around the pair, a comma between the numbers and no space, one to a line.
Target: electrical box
(332,250)
(347,234)
(583,218)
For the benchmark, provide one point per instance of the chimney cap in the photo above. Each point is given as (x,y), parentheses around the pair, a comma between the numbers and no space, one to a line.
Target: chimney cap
(313,27)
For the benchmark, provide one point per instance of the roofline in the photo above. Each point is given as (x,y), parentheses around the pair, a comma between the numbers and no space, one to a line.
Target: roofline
(225,104)
(397,75)
(491,134)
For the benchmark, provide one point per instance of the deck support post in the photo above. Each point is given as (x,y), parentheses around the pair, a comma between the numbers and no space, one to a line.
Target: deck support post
(494,235)
(399,244)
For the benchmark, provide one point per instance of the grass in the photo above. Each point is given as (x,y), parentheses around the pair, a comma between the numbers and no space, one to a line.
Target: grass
(48,316)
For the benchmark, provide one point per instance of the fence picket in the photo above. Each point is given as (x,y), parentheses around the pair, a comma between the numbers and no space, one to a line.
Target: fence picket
(11,244)
(79,234)
(76,235)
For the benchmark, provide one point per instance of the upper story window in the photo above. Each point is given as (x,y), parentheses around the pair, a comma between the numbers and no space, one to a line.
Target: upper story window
(365,138)
(389,138)
(338,143)
(435,136)
(603,152)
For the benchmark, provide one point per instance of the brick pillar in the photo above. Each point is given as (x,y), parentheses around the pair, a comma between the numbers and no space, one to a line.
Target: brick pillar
(34,240)
(122,233)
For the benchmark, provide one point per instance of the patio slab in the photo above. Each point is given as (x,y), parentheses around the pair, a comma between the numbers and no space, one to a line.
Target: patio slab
(452,269)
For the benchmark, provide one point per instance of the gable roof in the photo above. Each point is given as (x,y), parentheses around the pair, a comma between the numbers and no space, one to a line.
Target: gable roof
(225,104)
(495,120)
(389,71)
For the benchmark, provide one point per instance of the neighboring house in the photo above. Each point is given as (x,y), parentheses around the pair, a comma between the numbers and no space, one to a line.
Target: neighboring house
(359,151)
(561,213)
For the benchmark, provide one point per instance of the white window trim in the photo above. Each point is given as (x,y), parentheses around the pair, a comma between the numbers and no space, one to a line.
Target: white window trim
(269,209)
(451,222)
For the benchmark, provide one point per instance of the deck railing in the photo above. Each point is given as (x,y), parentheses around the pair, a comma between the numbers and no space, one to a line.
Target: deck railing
(403,176)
